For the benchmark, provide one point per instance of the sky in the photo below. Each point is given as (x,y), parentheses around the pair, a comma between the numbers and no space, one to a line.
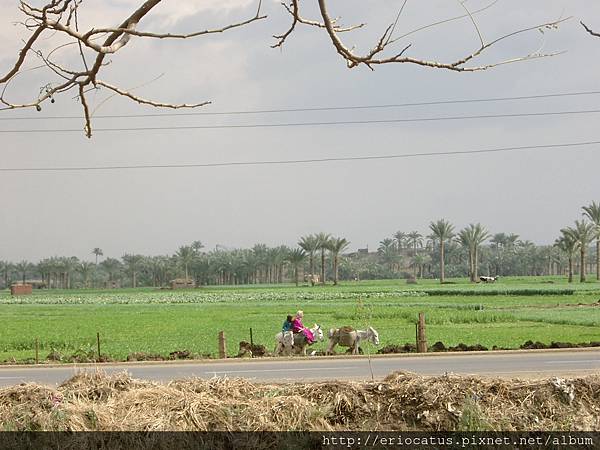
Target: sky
(154,211)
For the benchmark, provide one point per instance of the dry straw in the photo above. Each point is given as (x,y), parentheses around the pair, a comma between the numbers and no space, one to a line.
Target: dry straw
(403,401)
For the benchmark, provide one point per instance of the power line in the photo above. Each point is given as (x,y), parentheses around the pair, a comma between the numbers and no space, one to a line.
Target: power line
(315,109)
(304,161)
(311,124)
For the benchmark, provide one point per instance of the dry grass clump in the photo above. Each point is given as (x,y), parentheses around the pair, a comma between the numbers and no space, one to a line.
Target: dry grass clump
(96,386)
(403,401)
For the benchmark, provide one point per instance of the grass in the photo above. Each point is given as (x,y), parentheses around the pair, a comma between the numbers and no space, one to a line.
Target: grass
(159,321)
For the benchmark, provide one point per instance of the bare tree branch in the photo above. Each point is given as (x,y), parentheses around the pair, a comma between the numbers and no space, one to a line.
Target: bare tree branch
(589,30)
(61,17)
(375,55)
(294,9)
(143,101)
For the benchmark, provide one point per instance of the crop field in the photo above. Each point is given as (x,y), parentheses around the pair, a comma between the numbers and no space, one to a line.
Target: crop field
(504,314)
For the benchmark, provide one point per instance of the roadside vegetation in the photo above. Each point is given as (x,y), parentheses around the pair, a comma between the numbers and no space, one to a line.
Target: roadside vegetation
(403,401)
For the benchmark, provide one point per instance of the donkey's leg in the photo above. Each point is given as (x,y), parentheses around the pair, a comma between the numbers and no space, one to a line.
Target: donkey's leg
(355,347)
(330,347)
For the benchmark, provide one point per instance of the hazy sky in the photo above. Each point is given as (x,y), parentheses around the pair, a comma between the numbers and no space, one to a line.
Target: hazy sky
(153,211)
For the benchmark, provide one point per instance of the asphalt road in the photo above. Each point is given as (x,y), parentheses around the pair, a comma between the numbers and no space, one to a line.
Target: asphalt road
(506,364)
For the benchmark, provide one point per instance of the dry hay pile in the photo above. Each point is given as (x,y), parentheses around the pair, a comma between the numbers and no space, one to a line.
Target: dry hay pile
(403,401)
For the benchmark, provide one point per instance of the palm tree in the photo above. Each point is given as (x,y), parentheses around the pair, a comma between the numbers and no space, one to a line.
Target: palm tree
(310,244)
(418,261)
(197,246)
(499,241)
(568,245)
(593,213)
(472,237)
(443,231)
(337,246)
(323,239)
(111,266)
(131,262)
(68,265)
(6,269)
(414,239)
(386,245)
(387,252)
(259,255)
(296,257)
(84,268)
(400,238)
(186,255)
(98,252)
(583,233)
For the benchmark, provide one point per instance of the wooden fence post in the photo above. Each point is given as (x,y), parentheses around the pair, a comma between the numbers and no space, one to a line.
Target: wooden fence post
(37,351)
(222,345)
(421,335)
(251,340)
(98,342)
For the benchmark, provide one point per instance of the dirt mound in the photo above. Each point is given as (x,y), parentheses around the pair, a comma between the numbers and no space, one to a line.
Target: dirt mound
(437,347)
(403,401)
(468,348)
(248,350)
(530,345)
(393,348)
(180,354)
(142,356)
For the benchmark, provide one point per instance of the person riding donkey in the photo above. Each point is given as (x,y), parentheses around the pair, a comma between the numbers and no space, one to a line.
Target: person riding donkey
(288,324)
(298,327)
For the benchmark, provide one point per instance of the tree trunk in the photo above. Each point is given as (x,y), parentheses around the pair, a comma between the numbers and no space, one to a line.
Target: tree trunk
(582,265)
(323,266)
(475,264)
(471,265)
(442,266)
(598,258)
(335,270)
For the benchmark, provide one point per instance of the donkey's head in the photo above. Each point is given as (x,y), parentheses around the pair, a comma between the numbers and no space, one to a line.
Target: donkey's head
(374,335)
(318,332)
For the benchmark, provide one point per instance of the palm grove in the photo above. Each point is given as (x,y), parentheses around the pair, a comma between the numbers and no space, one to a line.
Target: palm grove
(321,258)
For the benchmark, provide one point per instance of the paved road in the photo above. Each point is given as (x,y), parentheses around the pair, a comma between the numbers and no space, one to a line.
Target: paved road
(531,363)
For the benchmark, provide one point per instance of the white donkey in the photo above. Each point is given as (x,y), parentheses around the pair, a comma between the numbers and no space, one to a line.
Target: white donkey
(351,338)
(296,342)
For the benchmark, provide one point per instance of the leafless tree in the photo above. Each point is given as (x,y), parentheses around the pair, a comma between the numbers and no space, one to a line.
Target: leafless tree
(60,18)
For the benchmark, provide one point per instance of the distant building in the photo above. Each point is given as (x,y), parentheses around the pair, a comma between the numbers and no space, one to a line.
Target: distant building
(182,283)
(20,289)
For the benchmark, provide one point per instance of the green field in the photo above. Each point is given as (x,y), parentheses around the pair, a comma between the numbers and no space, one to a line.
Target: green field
(504,314)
